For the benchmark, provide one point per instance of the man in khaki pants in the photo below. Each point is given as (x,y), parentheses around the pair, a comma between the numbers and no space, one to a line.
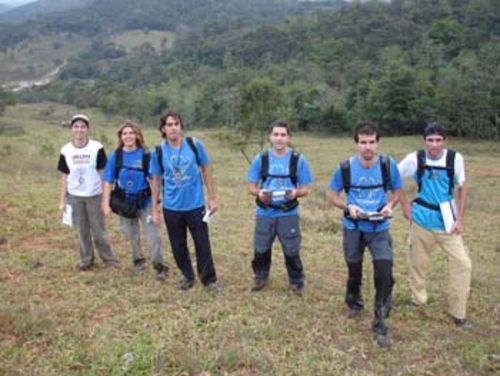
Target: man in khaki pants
(437,171)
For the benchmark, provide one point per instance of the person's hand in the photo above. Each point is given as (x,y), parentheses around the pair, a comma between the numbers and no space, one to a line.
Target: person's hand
(62,206)
(406,207)
(386,211)
(264,196)
(292,194)
(106,210)
(155,217)
(457,228)
(354,211)
(212,205)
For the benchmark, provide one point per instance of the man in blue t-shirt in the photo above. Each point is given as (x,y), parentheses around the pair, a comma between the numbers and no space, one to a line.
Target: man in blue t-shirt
(366,178)
(184,169)
(436,171)
(277,178)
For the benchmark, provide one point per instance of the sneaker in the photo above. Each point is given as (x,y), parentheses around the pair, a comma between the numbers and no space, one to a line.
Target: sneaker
(140,264)
(463,324)
(352,313)
(161,273)
(383,340)
(184,283)
(259,284)
(85,268)
(212,287)
(297,288)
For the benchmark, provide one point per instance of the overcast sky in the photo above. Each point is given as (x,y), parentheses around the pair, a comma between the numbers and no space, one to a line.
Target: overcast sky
(16,2)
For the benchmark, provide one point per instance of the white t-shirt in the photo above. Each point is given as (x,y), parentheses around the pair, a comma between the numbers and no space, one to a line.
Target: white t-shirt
(82,166)
(408,166)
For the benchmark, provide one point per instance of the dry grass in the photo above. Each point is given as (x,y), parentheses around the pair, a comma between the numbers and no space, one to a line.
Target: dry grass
(56,321)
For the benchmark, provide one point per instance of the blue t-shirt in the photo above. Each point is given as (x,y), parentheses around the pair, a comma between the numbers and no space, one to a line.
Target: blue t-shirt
(435,190)
(131,177)
(369,200)
(182,180)
(279,166)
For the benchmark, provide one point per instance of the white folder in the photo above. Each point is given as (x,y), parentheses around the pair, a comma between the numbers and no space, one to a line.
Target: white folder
(449,213)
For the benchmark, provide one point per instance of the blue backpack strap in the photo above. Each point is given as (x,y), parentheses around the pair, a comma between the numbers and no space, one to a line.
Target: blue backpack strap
(193,147)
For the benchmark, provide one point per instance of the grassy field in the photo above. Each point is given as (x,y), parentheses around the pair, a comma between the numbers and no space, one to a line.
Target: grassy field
(57,321)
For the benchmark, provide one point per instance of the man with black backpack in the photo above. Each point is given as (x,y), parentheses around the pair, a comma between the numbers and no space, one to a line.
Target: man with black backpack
(181,164)
(366,179)
(277,178)
(438,219)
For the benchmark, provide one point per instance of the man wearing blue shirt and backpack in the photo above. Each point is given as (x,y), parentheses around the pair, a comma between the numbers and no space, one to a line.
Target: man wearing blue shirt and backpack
(366,179)
(437,171)
(181,164)
(277,178)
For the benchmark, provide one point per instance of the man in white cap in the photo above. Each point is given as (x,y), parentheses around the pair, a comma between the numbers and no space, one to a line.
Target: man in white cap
(81,163)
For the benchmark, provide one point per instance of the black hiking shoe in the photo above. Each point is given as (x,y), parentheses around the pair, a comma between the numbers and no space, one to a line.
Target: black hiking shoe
(297,288)
(383,340)
(140,264)
(463,324)
(161,272)
(353,312)
(258,285)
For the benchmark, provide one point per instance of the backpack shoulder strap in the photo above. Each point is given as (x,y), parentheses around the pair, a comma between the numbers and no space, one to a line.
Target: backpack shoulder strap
(292,169)
(146,157)
(420,167)
(345,170)
(118,161)
(159,156)
(264,166)
(450,169)
(193,147)
(385,167)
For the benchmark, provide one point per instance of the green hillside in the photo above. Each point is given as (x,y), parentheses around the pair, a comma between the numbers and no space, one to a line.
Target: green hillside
(401,63)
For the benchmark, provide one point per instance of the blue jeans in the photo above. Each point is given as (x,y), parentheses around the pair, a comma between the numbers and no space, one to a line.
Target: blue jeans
(177,223)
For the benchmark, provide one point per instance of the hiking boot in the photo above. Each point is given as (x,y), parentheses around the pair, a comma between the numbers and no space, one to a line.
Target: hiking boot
(85,268)
(383,340)
(161,272)
(185,283)
(463,324)
(140,264)
(258,285)
(297,288)
(353,312)
(212,287)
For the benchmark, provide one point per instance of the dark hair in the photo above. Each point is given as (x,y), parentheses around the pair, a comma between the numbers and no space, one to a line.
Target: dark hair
(434,128)
(280,124)
(165,115)
(366,128)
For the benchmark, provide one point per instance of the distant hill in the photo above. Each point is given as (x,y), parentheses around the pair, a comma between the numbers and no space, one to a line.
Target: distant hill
(4,8)
(37,9)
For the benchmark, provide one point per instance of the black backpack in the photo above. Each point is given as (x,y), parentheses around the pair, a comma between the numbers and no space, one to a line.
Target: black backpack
(450,168)
(385,168)
(119,162)
(292,174)
(192,146)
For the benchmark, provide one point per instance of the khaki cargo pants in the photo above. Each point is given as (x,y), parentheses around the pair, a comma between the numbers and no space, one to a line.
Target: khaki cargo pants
(459,267)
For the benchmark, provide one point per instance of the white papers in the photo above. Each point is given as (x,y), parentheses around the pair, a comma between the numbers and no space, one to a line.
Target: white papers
(208,216)
(449,213)
(68,215)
